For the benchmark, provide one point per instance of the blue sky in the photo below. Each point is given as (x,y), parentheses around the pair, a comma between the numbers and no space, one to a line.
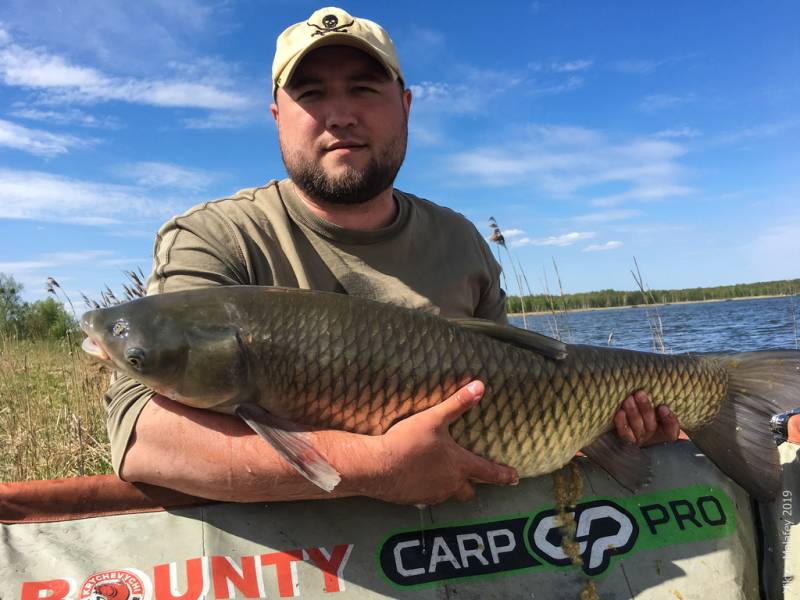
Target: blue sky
(592,132)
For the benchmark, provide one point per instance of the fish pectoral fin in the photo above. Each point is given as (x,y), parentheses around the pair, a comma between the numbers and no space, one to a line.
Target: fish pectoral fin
(624,461)
(293,443)
(522,338)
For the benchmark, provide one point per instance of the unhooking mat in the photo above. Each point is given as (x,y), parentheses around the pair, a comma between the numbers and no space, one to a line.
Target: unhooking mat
(690,535)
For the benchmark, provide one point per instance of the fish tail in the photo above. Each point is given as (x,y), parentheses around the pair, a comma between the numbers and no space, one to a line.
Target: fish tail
(739,440)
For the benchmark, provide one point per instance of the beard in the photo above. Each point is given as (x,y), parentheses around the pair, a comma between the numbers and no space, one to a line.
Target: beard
(353,186)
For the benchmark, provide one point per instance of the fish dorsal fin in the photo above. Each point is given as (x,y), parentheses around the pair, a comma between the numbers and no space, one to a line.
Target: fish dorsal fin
(522,338)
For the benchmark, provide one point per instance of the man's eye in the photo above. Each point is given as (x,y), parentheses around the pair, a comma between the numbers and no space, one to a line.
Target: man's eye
(308,94)
(365,89)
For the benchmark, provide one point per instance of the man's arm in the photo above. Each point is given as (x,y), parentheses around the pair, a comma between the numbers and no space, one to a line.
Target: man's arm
(217,456)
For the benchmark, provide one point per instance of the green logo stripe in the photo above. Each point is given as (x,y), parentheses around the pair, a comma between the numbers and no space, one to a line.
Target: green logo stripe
(607,530)
(680,516)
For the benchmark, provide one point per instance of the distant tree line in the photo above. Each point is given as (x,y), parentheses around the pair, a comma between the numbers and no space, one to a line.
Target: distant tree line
(614,298)
(25,320)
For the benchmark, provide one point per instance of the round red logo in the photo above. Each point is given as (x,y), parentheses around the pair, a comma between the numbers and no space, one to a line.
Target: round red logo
(119,584)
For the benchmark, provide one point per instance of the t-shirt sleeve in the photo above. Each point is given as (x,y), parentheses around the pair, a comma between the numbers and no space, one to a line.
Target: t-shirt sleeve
(123,401)
(199,249)
(492,303)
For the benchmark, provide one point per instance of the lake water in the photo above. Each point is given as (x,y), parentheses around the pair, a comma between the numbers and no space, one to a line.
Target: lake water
(736,325)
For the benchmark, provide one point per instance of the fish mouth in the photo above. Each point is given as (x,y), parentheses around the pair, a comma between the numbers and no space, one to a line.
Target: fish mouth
(92,349)
(89,345)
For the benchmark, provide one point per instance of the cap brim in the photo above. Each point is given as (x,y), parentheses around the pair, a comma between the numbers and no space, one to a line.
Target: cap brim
(332,39)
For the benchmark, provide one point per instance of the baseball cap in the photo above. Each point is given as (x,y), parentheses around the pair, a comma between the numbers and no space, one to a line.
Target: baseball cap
(331,26)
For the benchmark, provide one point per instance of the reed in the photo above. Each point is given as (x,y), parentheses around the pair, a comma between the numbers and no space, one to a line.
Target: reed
(651,310)
(498,238)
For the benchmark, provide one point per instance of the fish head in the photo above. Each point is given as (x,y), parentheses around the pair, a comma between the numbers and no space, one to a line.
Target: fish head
(147,349)
(197,360)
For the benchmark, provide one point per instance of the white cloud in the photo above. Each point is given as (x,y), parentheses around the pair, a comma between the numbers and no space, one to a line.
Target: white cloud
(571,66)
(510,233)
(566,239)
(50,260)
(469,96)
(553,88)
(610,245)
(35,68)
(562,161)
(71,116)
(644,194)
(635,66)
(683,132)
(167,175)
(606,216)
(638,66)
(764,130)
(474,87)
(655,102)
(558,66)
(62,82)
(432,91)
(221,120)
(454,98)
(38,196)
(36,141)
(22,265)
(164,30)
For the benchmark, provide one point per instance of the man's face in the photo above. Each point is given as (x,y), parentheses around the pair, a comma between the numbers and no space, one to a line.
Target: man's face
(342,126)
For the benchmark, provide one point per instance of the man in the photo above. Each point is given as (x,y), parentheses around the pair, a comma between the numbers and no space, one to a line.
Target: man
(337,224)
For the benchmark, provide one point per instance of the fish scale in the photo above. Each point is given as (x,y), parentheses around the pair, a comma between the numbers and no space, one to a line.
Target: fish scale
(553,405)
(332,361)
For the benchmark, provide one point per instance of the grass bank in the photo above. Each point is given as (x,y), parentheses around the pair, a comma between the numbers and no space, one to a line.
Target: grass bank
(52,422)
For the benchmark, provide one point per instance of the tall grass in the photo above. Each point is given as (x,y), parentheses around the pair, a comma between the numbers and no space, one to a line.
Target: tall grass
(52,422)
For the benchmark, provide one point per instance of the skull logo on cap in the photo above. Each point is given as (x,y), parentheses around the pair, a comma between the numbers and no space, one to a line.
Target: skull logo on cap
(330,24)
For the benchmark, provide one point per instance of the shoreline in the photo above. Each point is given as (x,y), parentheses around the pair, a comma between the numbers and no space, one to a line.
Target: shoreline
(656,305)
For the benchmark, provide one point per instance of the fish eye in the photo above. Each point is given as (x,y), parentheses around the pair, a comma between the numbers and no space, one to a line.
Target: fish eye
(134,357)
(120,328)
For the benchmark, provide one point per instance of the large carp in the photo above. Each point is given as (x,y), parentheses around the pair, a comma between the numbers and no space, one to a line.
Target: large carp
(290,360)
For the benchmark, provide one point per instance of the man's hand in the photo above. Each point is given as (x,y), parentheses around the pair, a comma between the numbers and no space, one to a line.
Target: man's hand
(794,429)
(422,464)
(638,422)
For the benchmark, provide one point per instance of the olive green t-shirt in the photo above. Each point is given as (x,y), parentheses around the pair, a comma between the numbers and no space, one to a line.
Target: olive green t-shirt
(430,258)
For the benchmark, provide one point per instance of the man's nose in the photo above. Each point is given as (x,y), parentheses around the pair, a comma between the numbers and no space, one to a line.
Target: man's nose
(340,113)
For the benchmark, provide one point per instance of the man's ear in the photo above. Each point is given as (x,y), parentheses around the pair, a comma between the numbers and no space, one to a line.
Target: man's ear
(273,108)
(407,100)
